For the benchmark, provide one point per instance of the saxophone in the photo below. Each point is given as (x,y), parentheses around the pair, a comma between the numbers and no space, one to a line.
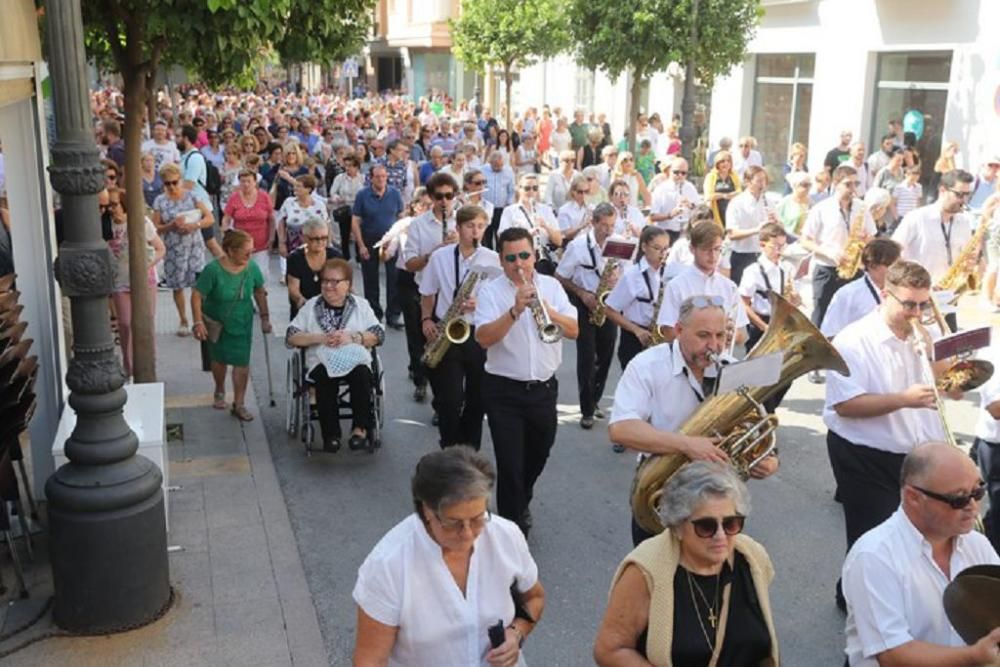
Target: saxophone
(452,329)
(655,335)
(959,278)
(850,260)
(599,314)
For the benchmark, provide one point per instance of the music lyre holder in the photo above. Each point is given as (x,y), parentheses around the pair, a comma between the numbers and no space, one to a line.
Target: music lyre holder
(962,344)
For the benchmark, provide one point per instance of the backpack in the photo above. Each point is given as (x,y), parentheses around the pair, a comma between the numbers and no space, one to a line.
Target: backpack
(213,179)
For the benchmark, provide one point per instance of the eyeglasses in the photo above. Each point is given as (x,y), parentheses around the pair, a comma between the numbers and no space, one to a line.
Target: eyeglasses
(438,196)
(658,249)
(678,172)
(477,182)
(511,258)
(317,239)
(956,502)
(851,184)
(923,306)
(170,184)
(333,282)
(961,194)
(111,177)
(708,526)
(476,523)
(530,188)
(581,192)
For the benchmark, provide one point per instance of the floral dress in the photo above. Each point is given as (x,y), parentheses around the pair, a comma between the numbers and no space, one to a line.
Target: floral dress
(294,215)
(185,252)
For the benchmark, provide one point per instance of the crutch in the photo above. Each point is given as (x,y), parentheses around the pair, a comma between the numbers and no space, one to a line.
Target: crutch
(267,362)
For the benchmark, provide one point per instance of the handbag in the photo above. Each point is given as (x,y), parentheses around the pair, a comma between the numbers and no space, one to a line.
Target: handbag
(213,327)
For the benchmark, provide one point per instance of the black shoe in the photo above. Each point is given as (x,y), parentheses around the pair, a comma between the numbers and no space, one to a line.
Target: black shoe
(331,445)
(435,420)
(599,414)
(586,423)
(420,393)
(617,449)
(395,324)
(841,600)
(357,442)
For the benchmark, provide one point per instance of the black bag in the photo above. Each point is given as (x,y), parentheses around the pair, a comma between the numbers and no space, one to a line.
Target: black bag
(213,179)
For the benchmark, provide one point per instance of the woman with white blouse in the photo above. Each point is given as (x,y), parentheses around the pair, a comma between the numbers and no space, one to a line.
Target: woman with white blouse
(431,589)
(343,190)
(294,212)
(558,184)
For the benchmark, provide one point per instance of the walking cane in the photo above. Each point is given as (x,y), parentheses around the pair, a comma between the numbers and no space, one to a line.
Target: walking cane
(267,362)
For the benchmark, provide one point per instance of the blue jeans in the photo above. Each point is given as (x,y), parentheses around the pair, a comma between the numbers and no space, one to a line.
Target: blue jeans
(373,293)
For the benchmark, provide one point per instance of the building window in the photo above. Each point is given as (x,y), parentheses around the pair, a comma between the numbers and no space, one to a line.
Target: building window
(583,95)
(782,105)
(912,87)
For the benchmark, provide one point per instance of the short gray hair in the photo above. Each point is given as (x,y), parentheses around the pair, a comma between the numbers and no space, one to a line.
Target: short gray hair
(449,476)
(314,225)
(604,210)
(694,304)
(695,483)
(877,197)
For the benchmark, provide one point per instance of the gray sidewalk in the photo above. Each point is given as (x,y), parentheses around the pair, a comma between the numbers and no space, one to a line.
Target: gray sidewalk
(242,597)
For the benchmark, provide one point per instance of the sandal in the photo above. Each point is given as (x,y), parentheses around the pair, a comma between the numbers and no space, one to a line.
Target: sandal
(241,413)
(183,331)
(219,400)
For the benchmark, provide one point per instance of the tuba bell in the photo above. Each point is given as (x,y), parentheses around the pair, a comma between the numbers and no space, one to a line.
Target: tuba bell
(738,416)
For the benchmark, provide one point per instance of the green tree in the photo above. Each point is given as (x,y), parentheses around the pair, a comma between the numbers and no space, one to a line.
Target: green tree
(509,33)
(325,30)
(644,36)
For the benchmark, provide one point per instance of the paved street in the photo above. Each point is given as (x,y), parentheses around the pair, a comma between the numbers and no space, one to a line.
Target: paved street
(340,505)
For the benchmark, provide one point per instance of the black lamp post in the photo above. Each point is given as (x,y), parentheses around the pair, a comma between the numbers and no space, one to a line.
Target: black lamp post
(106,516)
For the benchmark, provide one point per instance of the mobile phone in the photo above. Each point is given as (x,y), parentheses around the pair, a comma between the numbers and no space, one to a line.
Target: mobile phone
(497,634)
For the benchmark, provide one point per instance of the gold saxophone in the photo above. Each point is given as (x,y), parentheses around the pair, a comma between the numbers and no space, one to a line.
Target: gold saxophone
(655,335)
(739,416)
(452,329)
(850,260)
(959,277)
(599,314)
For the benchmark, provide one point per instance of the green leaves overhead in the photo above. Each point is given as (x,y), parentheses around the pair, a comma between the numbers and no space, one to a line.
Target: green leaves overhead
(507,33)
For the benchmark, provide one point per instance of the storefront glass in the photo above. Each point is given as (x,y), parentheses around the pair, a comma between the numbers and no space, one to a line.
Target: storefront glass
(782,104)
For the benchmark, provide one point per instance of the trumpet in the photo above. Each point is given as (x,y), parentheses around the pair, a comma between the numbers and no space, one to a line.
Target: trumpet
(548,331)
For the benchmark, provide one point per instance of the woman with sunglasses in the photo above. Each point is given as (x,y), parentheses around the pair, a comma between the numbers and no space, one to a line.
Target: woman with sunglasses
(338,330)
(527,212)
(430,590)
(177,214)
(306,263)
(697,593)
(625,171)
(575,214)
(722,185)
(557,188)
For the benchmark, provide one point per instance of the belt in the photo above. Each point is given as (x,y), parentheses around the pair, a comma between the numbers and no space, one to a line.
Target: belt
(526,385)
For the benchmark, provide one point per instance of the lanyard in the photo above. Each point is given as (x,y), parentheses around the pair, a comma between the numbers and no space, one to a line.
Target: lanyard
(767,281)
(946,232)
(871,288)
(846,217)
(593,259)
(697,394)
(458,282)
(649,286)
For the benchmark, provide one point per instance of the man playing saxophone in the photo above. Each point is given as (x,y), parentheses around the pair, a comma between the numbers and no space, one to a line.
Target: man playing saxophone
(520,388)
(662,386)
(457,378)
(938,235)
(588,278)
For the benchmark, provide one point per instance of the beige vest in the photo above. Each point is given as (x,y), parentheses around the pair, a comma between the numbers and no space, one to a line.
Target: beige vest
(657,558)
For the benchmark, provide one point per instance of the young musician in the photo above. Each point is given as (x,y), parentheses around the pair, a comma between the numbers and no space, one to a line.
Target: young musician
(457,379)
(520,387)
(580,271)
(574,215)
(662,386)
(527,212)
(473,189)
(702,277)
(860,297)
(428,232)
(884,407)
(629,220)
(674,200)
(747,214)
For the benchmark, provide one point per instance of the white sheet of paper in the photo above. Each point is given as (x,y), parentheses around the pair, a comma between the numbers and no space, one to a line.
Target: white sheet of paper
(758,372)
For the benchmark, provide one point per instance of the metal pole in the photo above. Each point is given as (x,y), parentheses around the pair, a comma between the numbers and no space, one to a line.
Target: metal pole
(108,533)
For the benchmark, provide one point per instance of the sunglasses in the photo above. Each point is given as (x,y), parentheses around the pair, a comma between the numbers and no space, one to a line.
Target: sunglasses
(706,301)
(170,184)
(923,306)
(582,192)
(317,239)
(438,196)
(523,255)
(960,194)
(530,188)
(477,182)
(709,526)
(955,502)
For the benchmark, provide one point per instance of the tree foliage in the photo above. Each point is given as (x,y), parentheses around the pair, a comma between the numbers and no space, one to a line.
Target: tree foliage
(509,33)
(323,31)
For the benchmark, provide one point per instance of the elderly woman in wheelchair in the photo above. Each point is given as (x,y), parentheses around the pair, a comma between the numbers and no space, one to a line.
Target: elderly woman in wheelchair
(338,330)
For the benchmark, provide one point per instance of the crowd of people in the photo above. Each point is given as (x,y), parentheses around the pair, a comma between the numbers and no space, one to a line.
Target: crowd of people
(522,237)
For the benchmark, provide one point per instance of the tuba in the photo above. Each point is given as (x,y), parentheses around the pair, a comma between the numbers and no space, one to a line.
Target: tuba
(739,416)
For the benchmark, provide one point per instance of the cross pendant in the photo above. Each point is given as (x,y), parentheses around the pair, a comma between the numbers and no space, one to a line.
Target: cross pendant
(711,617)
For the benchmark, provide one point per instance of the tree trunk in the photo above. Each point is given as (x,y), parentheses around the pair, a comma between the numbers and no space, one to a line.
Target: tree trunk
(151,100)
(634,96)
(508,81)
(143,356)
(687,134)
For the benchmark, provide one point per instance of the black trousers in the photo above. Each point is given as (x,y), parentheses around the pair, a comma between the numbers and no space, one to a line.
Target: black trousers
(867,484)
(595,347)
(988,456)
(409,304)
(342,216)
(490,237)
(522,420)
(825,283)
(359,384)
(628,347)
(458,394)
(738,262)
(373,293)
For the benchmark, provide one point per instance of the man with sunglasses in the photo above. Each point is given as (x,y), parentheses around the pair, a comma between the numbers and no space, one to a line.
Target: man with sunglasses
(580,273)
(935,235)
(520,388)
(673,200)
(529,213)
(875,415)
(895,575)
(429,231)
(663,386)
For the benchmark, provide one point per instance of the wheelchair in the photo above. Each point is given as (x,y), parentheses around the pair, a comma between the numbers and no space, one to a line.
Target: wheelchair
(301,414)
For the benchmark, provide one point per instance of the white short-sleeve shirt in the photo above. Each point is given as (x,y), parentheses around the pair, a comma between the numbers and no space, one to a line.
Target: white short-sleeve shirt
(521,355)
(895,590)
(849,304)
(830,229)
(746,212)
(880,363)
(405,583)
(925,240)
(439,276)
(692,281)
(583,262)
(667,196)
(571,215)
(517,215)
(630,222)
(761,276)
(635,293)
(657,387)
(424,236)
(987,427)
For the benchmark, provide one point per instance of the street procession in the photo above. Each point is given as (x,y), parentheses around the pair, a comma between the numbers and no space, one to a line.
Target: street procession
(591,364)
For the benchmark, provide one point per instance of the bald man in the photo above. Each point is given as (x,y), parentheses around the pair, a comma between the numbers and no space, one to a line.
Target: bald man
(895,574)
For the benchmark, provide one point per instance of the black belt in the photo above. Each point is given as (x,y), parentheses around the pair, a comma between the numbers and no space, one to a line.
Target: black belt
(526,385)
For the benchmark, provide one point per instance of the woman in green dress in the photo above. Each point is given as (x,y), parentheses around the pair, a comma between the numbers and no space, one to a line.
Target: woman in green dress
(223,294)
